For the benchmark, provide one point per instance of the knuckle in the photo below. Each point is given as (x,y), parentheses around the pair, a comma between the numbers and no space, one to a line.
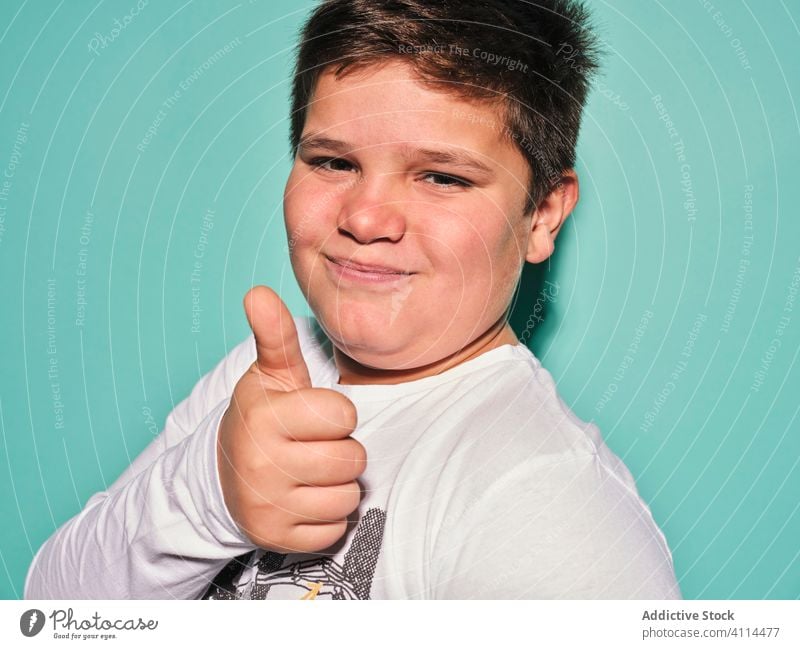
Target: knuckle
(337,531)
(349,414)
(358,454)
(251,417)
(335,407)
(352,495)
(259,419)
(354,457)
(252,465)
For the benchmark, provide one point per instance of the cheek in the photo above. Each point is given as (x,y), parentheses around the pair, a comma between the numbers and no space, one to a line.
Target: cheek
(480,252)
(297,200)
(483,276)
(293,199)
(309,215)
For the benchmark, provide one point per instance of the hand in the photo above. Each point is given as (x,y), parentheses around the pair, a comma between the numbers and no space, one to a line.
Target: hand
(287,463)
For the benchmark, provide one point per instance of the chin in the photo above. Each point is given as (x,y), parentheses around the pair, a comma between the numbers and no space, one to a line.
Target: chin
(369,336)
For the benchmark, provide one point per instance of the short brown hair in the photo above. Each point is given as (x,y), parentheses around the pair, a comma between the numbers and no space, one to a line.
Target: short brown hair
(534,59)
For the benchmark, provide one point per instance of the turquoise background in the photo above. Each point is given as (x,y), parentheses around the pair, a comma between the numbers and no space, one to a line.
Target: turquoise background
(714,449)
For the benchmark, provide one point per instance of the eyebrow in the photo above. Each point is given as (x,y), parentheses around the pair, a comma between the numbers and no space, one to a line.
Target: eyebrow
(452,157)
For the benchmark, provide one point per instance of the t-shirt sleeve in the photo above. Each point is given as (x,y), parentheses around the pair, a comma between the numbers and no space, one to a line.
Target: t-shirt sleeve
(567,529)
(162,529)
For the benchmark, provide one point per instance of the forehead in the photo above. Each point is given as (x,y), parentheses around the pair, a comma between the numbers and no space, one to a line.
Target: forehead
(386,103)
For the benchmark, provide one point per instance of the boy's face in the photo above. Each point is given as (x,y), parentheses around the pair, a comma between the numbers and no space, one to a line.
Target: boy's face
(449,255)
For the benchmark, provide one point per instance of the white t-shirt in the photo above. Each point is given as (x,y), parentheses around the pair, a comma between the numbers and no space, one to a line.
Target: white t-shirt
(480,483)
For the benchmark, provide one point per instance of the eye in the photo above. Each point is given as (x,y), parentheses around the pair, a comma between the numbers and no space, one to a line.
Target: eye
(446,180)
(320,163)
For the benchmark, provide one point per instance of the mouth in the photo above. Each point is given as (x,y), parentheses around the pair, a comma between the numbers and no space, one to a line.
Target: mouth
(345,270)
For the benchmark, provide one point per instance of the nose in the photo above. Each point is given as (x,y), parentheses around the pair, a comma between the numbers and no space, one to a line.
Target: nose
(372,210)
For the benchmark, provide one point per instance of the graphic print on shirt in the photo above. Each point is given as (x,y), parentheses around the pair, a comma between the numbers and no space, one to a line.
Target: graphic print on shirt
(318,578)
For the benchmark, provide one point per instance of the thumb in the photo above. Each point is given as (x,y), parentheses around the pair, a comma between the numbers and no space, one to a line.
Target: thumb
(278,352)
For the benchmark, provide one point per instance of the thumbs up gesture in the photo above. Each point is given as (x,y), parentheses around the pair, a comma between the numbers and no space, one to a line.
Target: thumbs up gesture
(287,463)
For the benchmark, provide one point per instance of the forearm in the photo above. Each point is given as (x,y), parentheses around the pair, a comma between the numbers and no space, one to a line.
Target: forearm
(163,535)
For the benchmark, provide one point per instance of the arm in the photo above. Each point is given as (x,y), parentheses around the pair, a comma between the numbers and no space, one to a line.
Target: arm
(162,529)
(568,529)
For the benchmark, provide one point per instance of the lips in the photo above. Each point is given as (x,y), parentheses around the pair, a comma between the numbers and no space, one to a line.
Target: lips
(367,268)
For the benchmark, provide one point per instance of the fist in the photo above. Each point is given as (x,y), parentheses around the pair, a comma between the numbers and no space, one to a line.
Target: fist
(287,464)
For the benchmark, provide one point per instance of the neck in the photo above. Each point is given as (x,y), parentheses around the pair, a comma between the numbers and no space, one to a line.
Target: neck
(351,372)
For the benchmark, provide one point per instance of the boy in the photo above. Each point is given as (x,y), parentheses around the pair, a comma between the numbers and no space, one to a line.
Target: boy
(401,443)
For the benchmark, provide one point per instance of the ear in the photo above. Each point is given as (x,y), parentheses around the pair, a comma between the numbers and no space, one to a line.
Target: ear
(549,216)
